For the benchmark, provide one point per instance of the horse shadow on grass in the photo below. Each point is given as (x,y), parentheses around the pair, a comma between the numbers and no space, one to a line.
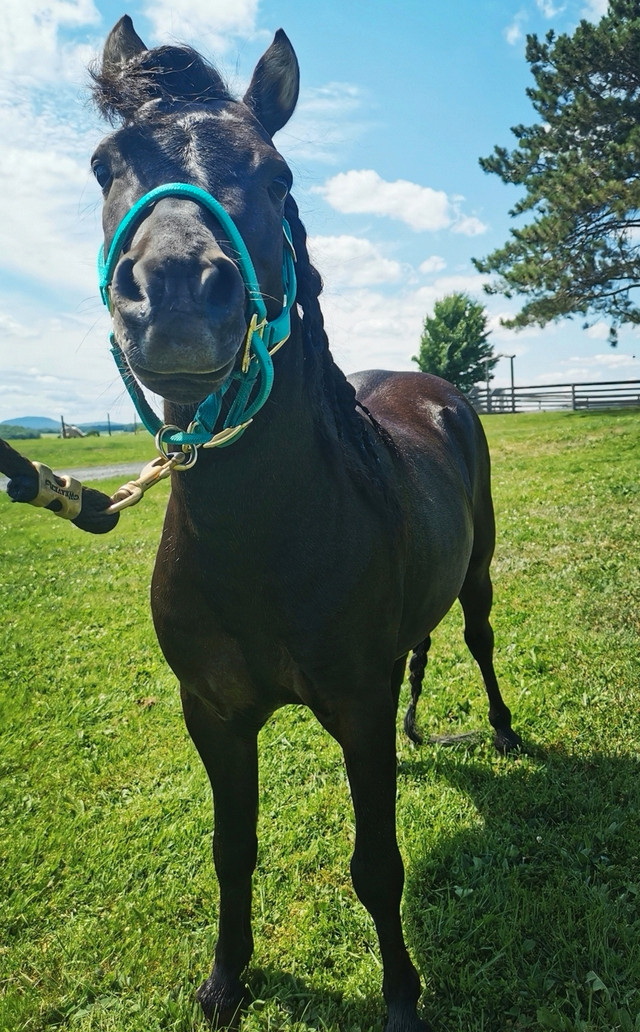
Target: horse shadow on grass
(308,1007)
(528,915)
(526,919)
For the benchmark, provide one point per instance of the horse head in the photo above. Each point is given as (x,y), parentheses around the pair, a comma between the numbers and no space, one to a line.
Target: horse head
(176,289)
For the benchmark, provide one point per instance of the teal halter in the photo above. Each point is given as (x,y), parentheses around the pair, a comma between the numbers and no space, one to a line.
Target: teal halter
(263,337)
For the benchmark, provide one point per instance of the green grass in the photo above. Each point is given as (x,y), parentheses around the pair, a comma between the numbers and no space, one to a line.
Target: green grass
(83,452)
(522,901)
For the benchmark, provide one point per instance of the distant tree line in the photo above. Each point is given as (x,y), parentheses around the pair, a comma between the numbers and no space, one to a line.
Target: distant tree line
(18,433)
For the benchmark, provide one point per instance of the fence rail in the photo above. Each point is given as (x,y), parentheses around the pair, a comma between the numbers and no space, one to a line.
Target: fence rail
(557,397)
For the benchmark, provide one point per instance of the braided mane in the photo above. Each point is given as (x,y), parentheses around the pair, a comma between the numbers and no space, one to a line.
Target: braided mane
(331,392)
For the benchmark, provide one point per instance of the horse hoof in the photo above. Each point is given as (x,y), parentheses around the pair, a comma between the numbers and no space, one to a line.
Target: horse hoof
(221,1003)
(507,741)
(405,1022)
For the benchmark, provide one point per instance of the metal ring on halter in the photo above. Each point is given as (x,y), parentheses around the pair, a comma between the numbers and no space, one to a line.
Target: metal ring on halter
(190,451)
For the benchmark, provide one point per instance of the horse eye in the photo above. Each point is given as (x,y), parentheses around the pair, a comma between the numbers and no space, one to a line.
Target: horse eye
(279,189)
(102,174)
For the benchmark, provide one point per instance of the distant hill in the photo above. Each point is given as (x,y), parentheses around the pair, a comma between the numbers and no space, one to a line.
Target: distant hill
(46,425)
(42,423)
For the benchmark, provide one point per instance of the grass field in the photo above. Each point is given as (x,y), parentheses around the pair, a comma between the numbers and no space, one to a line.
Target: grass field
(84,452)
(522,900)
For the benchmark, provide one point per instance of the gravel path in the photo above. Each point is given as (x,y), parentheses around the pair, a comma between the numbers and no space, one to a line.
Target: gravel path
(123,469)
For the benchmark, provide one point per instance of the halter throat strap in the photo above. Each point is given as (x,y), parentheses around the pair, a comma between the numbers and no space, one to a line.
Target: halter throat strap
(263,336)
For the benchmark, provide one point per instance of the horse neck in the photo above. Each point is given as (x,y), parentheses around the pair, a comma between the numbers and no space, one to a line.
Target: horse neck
(281,441)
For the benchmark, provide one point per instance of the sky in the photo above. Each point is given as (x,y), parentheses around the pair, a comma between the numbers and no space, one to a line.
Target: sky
(398,101)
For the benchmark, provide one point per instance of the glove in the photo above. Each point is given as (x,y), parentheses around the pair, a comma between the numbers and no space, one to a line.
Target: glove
(38,485)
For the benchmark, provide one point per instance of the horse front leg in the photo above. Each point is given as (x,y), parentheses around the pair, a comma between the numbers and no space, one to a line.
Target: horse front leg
(231,762)
(368,740)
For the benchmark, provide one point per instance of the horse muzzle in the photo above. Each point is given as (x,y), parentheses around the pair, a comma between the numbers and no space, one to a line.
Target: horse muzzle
(184,343)
(178,312)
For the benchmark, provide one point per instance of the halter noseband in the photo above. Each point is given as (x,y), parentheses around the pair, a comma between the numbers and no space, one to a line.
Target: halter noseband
(263,336)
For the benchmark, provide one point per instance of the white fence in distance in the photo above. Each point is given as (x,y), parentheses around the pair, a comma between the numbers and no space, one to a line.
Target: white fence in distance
(557,397)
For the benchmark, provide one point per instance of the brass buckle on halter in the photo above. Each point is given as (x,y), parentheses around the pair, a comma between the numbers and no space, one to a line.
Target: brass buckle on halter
(254,327)
(183,459)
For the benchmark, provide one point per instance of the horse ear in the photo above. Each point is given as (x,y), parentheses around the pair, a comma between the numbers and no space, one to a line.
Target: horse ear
(273,90)
(122,44)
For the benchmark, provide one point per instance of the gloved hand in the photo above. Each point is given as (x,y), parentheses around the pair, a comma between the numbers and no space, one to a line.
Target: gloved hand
(38,485)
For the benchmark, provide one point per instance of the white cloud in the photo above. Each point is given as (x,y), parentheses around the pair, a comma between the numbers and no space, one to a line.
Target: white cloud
(58,364)
(363,191)
(40,233)
(352,261)
(432,264)
(370,328)
(507,336)
(212,23)
(423,209)
(599,331)
(44,234)
(594,10)
(327,120)
(615,361)
(513,33)
(549,9)
(32,38)
(469,225)
(610,365)
(11,327)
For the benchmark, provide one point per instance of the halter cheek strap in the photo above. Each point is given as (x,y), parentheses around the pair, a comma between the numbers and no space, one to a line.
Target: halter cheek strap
(263,336)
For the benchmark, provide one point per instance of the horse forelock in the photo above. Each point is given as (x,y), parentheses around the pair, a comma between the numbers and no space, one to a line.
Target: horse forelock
(169,74)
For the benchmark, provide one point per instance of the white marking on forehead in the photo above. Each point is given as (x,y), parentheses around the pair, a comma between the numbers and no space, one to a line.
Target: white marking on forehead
(227,116)
(230,114)
(189,123)
(196,118)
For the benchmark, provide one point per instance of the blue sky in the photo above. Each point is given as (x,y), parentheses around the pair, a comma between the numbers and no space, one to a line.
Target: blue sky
(398,101)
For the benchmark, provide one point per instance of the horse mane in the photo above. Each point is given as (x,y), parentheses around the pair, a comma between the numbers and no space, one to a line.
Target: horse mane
(342,425)
(168,74)
(178,75)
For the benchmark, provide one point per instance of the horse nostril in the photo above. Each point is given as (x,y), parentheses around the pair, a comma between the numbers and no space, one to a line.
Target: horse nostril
(154,287)
(221,286)
(125,282)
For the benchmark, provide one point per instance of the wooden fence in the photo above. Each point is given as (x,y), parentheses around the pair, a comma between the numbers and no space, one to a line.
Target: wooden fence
(557,397)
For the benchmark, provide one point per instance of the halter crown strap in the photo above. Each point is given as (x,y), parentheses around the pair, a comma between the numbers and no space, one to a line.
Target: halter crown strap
(262,336)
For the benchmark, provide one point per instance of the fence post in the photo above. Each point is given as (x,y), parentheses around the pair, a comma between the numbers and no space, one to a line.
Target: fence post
(513,389)
(573,397)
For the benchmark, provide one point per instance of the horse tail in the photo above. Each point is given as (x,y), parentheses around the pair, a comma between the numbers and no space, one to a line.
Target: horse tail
(417,667)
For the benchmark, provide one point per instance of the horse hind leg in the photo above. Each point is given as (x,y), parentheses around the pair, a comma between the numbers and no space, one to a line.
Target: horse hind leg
(417,667)
(476,598)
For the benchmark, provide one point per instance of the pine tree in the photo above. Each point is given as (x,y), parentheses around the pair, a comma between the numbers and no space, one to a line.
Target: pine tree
(454,342)
(580,168)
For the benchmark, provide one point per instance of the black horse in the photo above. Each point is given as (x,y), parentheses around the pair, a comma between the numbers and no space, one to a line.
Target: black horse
(305,561)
